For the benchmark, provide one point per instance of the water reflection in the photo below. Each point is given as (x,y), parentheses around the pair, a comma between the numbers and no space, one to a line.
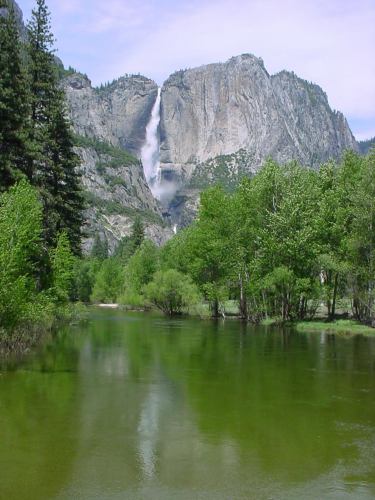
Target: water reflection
(137,406)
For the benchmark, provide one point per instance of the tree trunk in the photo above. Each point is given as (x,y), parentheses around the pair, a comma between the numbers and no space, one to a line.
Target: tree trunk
(243,301)
(215,308)
(333,307)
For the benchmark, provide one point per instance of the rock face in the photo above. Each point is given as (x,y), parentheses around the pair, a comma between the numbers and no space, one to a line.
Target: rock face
(116,193)
(108,122)
(117,113)
(220,109)
(222,121)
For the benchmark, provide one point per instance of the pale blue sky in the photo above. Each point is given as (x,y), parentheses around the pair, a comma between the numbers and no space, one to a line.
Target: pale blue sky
(329,42)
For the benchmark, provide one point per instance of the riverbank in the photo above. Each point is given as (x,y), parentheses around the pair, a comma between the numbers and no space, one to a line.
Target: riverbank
(203,312)
(29,334)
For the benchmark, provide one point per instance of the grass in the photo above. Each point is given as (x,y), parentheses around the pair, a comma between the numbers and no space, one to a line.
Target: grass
(342,326)
(271,321)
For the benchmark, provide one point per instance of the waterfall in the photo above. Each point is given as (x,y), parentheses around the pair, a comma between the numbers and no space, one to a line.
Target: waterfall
(150,151)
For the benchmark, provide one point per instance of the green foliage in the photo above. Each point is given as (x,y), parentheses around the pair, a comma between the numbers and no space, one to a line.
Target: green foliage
(65,72)
(129,244)
(84,278)
(20,244)
(361,238)
(109,280)
(100,248)
(14,103)
(53,167)
(171,292)
(139,271)
(62,264)
(284,241)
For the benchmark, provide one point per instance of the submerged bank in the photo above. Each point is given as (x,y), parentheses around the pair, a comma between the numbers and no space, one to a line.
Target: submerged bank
(27,335)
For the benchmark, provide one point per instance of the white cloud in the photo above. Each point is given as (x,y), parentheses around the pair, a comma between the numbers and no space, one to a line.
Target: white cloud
(329,42)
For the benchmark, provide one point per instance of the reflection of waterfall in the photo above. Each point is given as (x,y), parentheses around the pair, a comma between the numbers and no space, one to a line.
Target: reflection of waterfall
(150,150)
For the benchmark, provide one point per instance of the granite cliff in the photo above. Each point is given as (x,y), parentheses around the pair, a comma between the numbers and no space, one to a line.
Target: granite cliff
(221,121)
(221,109)
(116,113)
(109,124)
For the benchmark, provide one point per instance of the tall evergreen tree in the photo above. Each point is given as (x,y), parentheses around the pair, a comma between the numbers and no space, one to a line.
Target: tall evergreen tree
(14,101)
(138,233)
(129,244)
(100,248)
(54,165)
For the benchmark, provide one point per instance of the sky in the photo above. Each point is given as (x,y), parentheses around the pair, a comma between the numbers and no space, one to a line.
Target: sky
(328,42)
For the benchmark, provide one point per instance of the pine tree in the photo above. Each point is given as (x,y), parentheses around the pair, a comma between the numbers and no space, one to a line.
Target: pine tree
(14,101)
(61,184)
(129,244)
(54,167)
(138,233)
(100,248)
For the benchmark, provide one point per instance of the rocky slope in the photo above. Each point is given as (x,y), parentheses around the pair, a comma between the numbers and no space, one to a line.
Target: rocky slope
(116,193)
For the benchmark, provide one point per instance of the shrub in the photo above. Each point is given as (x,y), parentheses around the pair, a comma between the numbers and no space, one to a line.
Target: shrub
(171,292)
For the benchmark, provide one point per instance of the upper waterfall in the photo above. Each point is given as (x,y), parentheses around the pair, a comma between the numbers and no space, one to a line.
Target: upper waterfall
(150,151)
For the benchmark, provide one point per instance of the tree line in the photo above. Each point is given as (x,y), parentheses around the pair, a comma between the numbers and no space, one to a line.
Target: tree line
(286,241)
(41,198)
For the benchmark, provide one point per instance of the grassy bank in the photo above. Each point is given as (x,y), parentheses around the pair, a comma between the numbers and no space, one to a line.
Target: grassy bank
(343,327)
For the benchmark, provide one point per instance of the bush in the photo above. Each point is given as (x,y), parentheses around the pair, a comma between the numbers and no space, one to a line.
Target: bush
(171,292)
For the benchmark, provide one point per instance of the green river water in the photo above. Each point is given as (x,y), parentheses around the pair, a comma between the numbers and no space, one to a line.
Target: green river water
(137,406)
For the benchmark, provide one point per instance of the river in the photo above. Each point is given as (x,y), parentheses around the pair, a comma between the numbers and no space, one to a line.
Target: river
(138,406)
